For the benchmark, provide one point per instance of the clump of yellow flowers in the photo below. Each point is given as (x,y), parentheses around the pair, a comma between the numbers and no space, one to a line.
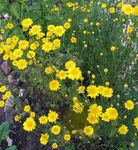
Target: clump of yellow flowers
(43,58)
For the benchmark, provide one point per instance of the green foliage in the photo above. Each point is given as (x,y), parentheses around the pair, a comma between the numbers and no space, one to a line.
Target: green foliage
(4,130)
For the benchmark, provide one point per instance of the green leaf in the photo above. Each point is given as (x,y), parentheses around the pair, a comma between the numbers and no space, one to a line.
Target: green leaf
(11,148)
(4,130)
(15,10)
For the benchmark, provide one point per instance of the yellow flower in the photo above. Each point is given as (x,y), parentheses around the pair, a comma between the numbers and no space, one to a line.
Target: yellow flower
(88,130)
(85,20)
(67,137)
(120,4)
(130,29)
(74,74)
(27,108)
(44,138)
(26,23)
(106,92)
(3,88)
(47,46)
(29,124)
(111,10)
(43,119)
(103,6)
(112,112)
(59,31)
(17,118)
(127,9)
(54,85)
(73,40)
(2,103)
(52,116)
(32,114)
(35,30)
(61,75)
(106,70)
(23,44)
(49,70)
(81,89)
(77,106)
(136,122)
(55,129)
(70,64)
(50,28)
(56,44)
(54,146)
(135,11)
(105,117)
(123,129)
(17,53)
(113,48)
(92,119)
(31,54)
(129,105)
(92,91)
(9,26)
(95,110)
(67,25)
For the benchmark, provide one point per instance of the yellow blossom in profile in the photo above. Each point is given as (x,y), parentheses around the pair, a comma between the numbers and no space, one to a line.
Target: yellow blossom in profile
(73,40)
(29,124)
(54,85)
(44,138)
(136,122)
(129,105)
(123,129)
(77,106)
(2,104)
(56,129)
(52,116)
(88,130)
(3,88)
